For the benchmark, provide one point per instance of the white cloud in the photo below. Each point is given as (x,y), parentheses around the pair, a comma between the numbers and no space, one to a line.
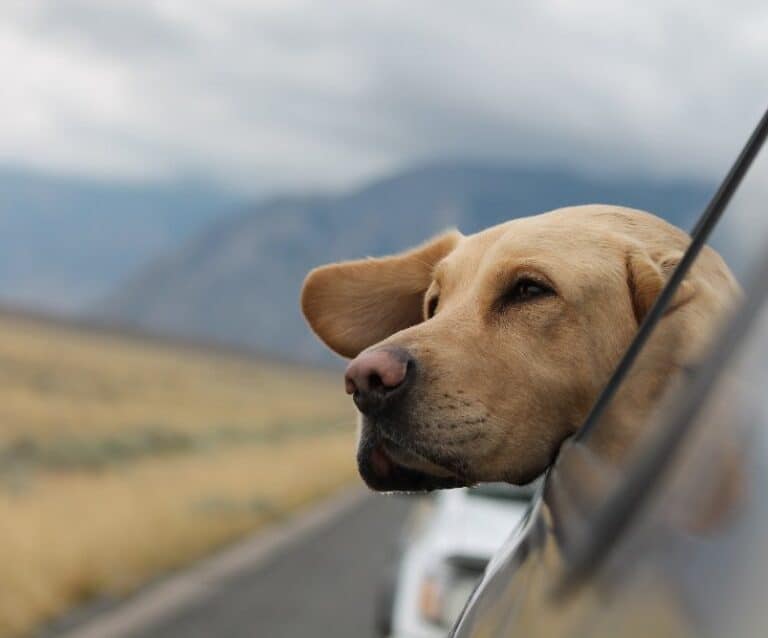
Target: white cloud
(297,93)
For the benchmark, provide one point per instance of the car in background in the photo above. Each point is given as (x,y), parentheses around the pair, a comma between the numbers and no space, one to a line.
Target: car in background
(449,540)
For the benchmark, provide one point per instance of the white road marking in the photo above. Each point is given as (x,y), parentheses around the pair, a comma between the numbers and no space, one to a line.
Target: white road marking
(190,586)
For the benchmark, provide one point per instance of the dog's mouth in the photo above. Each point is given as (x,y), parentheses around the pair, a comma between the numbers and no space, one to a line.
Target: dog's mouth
(389,466)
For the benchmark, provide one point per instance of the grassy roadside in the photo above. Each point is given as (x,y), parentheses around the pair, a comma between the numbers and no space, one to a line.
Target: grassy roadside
(121,459)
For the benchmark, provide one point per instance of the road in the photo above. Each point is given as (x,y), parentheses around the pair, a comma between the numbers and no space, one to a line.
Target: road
(320,584)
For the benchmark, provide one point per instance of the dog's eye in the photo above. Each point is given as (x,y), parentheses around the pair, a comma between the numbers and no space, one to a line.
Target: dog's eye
(432,306)
(525,289)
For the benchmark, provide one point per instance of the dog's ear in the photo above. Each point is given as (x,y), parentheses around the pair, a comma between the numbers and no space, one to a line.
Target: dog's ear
(648,274)
(354,304)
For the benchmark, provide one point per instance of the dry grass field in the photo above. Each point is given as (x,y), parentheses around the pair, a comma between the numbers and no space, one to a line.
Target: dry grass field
(121,459)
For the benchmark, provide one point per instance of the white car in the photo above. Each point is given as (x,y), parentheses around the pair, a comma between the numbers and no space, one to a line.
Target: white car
(449,541)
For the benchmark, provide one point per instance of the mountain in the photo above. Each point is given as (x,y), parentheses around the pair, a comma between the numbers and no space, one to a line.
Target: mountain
(66,241)
(238,281)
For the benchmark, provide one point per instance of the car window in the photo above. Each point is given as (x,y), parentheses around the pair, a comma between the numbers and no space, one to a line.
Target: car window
(729,237)
(595,461)
(741,238)
(588,496)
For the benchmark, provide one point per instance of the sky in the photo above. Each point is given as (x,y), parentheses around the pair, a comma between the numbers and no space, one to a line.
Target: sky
(292,94)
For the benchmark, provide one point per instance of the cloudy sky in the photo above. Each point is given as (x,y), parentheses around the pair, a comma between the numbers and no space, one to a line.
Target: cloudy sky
(267,94)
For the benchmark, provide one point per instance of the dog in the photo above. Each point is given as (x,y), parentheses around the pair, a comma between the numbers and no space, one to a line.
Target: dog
(474,357)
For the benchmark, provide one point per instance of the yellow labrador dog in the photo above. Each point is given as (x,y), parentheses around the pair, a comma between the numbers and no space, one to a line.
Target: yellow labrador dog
(474,357)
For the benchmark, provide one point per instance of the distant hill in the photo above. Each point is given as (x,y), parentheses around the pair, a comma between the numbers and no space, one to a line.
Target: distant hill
(238,281)
(66,241)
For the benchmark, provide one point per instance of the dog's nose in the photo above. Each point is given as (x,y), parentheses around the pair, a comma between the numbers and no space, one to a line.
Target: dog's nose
(374,376)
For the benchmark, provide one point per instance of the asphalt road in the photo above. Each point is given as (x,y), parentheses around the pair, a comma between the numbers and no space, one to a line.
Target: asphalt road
(322,586)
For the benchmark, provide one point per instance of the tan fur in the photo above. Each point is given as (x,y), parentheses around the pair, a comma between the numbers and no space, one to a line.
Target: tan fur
(498,390)
(355,304)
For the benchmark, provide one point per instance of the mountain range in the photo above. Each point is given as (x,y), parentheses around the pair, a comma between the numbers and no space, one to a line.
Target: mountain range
(66,241)
(236,281)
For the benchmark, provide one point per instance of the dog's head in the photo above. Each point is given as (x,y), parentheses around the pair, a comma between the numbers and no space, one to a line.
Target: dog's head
(475,357)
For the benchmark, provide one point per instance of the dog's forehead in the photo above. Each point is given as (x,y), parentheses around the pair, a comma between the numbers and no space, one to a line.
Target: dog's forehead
(540,238)
(461,265)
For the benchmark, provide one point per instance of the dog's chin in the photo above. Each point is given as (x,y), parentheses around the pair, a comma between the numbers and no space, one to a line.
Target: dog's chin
(388,467)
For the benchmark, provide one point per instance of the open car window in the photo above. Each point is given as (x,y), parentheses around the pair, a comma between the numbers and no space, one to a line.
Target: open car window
(703,231)
(597,461)
(589,496)
(591,515)
(741,238)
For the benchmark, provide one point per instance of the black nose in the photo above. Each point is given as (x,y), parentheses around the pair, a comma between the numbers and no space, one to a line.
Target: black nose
(377,378)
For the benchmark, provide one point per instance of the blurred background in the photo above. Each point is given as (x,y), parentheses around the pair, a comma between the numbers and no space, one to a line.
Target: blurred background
(169,171)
